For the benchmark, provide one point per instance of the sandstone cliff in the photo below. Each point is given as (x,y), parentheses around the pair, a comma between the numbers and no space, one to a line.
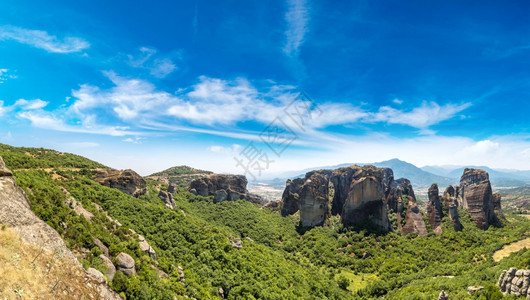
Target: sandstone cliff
(451,207)
(515,282)
(15,212)
(357,194)
(126,181)
(475,196)
(434,209)
(223,188)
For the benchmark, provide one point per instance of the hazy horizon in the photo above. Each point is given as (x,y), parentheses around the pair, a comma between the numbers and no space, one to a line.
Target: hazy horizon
(291,84)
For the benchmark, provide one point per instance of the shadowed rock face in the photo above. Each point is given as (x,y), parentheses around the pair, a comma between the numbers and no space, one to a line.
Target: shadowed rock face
(497,206)
(357,194)
(451,206)
(434,209)
(475,196)
(223,187)
(127,181)
(414,220)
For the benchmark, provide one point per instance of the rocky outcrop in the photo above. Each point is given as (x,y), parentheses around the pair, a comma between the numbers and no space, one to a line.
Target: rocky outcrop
(102,247)
(434,209)
(167,198)
(497,206)
(414,222)
(145,247)
(290,196)
(443,295)
(16,213)
(451,207)
(111,269)
(126,264)
(515,282)
(314,199)
(223,188)
(475,196)
(357,194)
(127,181)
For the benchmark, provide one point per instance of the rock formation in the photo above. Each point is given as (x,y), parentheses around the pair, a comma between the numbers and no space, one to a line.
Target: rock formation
(357,194)
(145,247)
(126,181)
(497,206)
(16,213)
(167,198)
(515,282)
(223,188)
(414,222)
(451,207)
(111,269)
(126,264)
(434,209)
(475,196)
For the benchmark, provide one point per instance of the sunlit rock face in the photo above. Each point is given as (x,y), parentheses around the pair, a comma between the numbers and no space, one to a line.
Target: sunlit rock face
(223,188)
(450,205)
(475,196)
(434,209)
(356,194)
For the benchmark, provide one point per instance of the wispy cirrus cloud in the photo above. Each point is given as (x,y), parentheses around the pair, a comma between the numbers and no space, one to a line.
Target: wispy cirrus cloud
(4,75)
(43,40)
(212,106)
(159,67)
(297,17)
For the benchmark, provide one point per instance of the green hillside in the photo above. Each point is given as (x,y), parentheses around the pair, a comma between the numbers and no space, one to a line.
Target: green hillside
(278,260)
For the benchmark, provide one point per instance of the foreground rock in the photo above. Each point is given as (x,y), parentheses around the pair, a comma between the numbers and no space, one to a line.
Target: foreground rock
(357,194)
(475,196)
(126,181)
(515,282)
(223,188)
(126,264)
(434,209)
(16,213)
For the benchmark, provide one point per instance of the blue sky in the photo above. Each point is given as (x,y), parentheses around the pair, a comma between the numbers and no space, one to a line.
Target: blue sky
(152,85)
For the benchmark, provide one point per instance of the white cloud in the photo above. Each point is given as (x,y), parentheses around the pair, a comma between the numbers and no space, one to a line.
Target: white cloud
(397,101)
(47,121)
(158,67)
(428,114)
(232,150)
(136,140)
(4,76)
(31,104)
(43,40)
(297,17)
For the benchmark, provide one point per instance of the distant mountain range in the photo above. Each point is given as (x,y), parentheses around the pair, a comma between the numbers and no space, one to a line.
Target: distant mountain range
(425,176)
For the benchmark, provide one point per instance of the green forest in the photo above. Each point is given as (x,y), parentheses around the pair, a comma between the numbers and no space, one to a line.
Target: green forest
(278,259)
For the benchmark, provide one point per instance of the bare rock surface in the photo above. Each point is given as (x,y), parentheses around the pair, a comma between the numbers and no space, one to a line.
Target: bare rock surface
(515,282)
(223,188)
(16,213)
(434,209)
(127,181)
(475,196)
(358,194)
(126,264)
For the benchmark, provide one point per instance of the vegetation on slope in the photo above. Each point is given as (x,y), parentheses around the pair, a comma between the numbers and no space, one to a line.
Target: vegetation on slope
(278,260)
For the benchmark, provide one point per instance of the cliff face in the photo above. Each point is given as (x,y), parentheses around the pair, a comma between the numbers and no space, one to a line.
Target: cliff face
(434,209)
(15,212)
(451,207)
(355,193)
(475,196)
(223,188)
(414,222)
(497,206)
(126,181)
